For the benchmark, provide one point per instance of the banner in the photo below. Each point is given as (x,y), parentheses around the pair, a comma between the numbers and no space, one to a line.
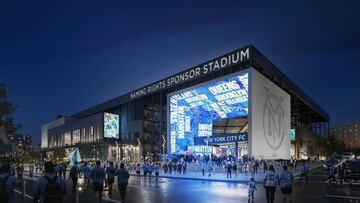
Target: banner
(74,156)
(222,138)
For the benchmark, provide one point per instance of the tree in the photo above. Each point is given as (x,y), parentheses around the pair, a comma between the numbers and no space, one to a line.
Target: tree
(312,148)
(7,110)
(58,155)
(330,145)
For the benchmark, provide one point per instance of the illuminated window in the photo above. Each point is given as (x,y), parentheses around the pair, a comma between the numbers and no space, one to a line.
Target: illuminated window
(67,138)
(76,136)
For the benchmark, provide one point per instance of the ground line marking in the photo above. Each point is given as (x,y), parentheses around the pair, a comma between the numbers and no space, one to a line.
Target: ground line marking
(28,196)
(342,197)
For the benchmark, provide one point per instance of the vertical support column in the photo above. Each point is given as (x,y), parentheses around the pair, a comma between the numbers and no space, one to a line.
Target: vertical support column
(237,149)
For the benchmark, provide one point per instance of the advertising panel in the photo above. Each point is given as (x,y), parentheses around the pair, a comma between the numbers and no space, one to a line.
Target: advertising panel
(111,125)
(192,111)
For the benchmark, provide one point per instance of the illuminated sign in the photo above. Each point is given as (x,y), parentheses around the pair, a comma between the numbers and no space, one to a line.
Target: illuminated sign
(221,138)
(111,125)
(192,111)
(201,149)
(219,63)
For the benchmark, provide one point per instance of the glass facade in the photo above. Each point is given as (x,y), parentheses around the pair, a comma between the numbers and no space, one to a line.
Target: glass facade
(78,136)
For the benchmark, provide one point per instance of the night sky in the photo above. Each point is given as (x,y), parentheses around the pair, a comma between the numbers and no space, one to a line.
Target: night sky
(63,57)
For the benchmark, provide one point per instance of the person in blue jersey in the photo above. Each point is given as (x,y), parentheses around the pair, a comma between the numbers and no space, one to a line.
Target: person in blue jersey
(251,189)
(110,176)
(74,176)
(8,182)
(49,188)
(97,175)
(286,183)
(86,173)
(145,169)
(157,170)
(270,182)
(123,180)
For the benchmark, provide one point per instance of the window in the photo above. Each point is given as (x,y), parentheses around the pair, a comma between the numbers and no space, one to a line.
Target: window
(76,137)
(67,138)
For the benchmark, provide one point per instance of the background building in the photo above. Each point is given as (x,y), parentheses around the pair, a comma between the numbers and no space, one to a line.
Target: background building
(21,143)
(349,134)
(252,108)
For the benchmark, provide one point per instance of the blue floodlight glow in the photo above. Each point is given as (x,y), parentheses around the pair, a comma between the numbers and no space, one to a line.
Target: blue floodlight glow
(193,111)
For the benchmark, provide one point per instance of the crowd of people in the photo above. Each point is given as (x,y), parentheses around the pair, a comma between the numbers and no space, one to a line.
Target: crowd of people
(51,184)
(51,187)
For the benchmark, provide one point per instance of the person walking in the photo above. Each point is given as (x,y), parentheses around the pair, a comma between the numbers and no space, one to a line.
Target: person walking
(295,163)
(49,188)
(60,170)
(65,168)
(123,180)
(332,171)
(210,167)
(251,190)
(86,173)
(270,182)
(203,167)
(74,176)
(110,173)
(97,175)
(145,169)
(304,172)
(228,168)
(8,182)
(150,170)
(265,168)
(256,166)
(286,183)
(157,170)
(138,170)
(165,167)
(31,171)
(234,167)
(184,166)
(341,172)
(170,167)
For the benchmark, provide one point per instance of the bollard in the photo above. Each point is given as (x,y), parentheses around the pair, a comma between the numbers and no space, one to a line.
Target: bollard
(23,188)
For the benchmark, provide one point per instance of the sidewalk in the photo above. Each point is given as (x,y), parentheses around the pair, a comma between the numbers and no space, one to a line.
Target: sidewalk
(221,176)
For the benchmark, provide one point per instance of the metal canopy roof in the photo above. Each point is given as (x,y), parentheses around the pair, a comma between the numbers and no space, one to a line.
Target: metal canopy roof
(303,109)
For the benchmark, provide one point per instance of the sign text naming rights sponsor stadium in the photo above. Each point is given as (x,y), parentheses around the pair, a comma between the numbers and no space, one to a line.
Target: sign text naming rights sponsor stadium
(214,65)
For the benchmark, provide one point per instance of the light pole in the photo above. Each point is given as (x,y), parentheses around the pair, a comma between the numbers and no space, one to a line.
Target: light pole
(163,146)
(139,144)
(117,152)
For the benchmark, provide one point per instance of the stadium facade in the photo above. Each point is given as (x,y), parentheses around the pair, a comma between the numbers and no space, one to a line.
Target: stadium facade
(238,104)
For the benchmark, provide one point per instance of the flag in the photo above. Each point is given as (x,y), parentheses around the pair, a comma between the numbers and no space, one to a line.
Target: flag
(74,156)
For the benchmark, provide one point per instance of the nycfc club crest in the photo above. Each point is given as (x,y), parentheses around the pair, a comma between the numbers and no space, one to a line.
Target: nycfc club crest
(272,120)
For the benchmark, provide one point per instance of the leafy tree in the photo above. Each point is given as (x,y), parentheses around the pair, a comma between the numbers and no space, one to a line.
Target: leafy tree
(58,155)
(312,148)
(7,110)
(330,145)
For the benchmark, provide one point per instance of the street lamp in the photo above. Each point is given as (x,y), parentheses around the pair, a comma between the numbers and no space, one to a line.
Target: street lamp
(163,146)
(139,144)
(117,151)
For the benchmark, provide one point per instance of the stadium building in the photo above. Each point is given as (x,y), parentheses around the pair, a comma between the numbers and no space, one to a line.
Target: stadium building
(238,104)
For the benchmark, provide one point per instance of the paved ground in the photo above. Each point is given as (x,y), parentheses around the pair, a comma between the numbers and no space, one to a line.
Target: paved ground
(220,175)
(142,190)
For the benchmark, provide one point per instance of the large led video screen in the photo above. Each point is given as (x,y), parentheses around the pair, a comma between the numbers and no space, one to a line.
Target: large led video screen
(192,111)
(111,125)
